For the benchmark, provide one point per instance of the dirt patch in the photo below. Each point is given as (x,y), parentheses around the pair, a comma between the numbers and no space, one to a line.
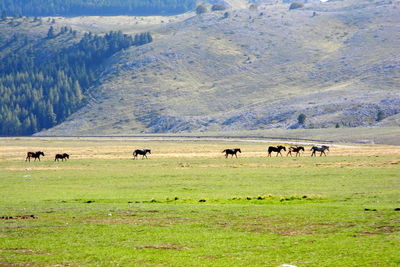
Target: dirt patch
(25,251)
(163,246)
(22,217)
(9,264)
(138,218)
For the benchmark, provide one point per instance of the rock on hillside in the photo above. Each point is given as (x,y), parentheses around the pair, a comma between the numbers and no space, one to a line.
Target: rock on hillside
(255,69)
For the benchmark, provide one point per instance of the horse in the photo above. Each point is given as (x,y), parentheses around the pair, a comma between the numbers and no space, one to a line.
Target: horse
(35,155)
(319,149)
(275,149)
(61,156)
(232,152)
(296,149)
(142,152)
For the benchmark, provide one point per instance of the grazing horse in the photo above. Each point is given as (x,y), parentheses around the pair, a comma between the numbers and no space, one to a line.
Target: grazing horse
(319,149)
(142,152)
(35,155)
(61,156)
(296,149)
(276,149)
(232,152)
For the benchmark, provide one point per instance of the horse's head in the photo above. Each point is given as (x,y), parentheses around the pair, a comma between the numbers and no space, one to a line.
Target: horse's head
(301,148)
(326,147)
(238,150)
(40,153)
(148,150)
(312,148)
(282,147)
(66,155)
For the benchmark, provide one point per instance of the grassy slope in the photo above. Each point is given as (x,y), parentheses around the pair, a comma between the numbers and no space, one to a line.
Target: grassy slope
(252,72)
(328,228)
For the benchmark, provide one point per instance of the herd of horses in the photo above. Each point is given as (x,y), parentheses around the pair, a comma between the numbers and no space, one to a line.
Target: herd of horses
(229,151)
(36,155)
(278,150)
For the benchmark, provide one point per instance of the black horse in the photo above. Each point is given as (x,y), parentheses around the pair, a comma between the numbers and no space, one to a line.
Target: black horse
(142,152)
(232,152)
(319,149)
(296,149)
(35,155)
(276,149)
(61,156)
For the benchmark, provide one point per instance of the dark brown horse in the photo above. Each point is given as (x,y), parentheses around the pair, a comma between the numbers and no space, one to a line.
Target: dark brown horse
(61,156)
(35,155)
(296,149)
(142,152)
(319,149)
(276,149)
(231,152)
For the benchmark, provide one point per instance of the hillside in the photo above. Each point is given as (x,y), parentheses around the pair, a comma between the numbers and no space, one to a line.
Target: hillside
(253,70)
(234,70)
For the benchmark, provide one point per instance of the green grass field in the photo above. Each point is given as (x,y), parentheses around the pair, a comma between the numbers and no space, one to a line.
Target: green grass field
(189,206)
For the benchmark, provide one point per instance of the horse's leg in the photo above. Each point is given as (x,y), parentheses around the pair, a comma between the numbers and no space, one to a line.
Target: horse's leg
(235,155)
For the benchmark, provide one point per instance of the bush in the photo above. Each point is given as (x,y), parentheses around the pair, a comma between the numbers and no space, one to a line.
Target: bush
(295,5)
(380,115)
(253,7)
(301,119)
(218,7)
(200,9)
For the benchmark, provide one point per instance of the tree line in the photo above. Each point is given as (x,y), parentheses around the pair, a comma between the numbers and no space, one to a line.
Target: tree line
(95,7)
(40,87)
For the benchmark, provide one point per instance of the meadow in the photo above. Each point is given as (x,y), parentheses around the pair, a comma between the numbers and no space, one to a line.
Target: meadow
(189,206)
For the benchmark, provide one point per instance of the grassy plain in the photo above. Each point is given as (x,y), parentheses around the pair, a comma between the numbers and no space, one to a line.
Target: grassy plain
(189,206)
